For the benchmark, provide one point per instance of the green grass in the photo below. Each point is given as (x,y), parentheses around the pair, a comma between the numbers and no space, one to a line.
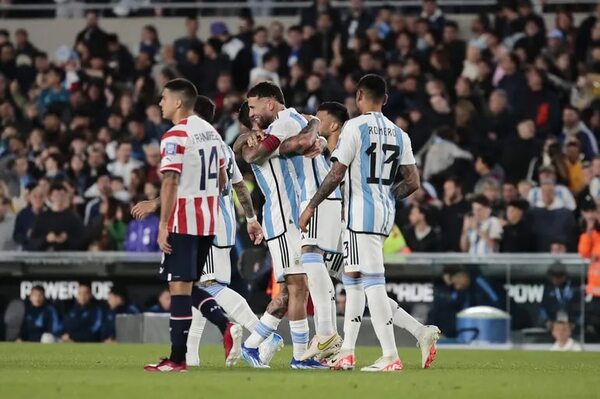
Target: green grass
(115,371)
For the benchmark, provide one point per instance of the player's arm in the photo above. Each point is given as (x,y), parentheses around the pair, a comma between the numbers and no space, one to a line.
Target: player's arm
(145,208)
(252,226)
(407,181)
(168,197)
(302,141)
(261,151)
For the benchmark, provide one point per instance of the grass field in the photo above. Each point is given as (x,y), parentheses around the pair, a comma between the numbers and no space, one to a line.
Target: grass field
(115,371)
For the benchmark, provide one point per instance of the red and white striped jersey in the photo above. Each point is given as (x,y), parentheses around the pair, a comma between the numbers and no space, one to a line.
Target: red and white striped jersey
(193,148)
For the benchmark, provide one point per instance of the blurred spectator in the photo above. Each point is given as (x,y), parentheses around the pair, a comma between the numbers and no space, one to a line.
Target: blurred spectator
(561,297)
(108,230)
(575,129)
(41,322)
(554,196)
(124,162)
(589,246)
(562,331)
(516,234)
(574,162)
(513,82)
(421,236)
(54,95)
(183,44)
(26,217)
(58,228)
(117,304)
(452,214)
(268,70)
(481,232)
(356,22)
(163,305)
(83,321)
(92,36)
(7,225)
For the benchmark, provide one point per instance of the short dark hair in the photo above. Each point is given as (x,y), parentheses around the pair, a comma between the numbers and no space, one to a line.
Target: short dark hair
(186,89)
(38,288)
(205,108)
(268,56)
(295,28)
(57,186)
(451,24)
(335,109)
(58,71)
(481,200)
(373,86)
(244,115)
(267,90)
(260,29)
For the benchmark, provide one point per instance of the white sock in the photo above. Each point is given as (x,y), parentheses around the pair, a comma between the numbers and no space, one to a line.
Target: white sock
(333,307)
(265,327)
(194,336)
(404,320)
(237,308)
(381,314)
(319,287)
(300,332)
(355,308)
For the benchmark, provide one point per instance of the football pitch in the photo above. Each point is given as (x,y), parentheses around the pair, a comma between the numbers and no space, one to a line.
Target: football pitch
(115,371)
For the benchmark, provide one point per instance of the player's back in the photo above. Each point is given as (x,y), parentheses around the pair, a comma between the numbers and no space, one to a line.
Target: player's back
(373,148)
(226,228)
(193,149)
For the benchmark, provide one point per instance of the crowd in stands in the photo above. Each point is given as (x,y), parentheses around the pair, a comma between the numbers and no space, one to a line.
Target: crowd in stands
(504,119)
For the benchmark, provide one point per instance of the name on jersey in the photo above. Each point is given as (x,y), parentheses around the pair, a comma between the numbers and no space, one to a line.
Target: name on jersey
(205,136)
(385,131)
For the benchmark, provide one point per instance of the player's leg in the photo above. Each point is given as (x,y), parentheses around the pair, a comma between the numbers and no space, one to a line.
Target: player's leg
(372,270)
(216,278)
(426,336)
(192,357)
(334,263)
(180,271)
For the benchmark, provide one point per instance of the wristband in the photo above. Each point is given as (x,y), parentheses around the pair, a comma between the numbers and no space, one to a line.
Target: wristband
(251,220)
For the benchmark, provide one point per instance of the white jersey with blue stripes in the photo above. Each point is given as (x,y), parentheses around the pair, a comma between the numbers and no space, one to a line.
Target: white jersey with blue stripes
(373,148)
(226,222)
(278,181)
(309,172)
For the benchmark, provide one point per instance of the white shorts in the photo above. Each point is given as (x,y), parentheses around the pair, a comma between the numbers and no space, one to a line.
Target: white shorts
(285,252)
(326,226)
(363,253)
(218,265)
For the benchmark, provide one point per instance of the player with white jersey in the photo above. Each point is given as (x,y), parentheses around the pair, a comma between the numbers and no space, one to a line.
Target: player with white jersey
(216,275)
(278,181)
(375,159)
(193,168)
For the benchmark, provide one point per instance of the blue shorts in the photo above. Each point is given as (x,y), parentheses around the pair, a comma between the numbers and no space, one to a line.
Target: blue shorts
(187,258)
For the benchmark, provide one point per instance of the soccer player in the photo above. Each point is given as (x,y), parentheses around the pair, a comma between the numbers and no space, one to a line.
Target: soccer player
(276,178)
(194,174)
(216,274)
(376,159)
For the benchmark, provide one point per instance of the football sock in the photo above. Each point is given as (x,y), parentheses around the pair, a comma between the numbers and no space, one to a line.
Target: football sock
(194,336)
(404,320)
(355,308)
(265,327)
(319,287)
(209,308)
(381,314)
(333,307)
(300,332)
(235,305)
(181,318)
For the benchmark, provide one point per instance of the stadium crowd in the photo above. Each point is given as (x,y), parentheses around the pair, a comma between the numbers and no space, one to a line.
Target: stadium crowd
(504,120)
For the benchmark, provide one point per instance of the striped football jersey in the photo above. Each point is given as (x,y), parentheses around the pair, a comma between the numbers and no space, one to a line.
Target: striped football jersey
(193,149)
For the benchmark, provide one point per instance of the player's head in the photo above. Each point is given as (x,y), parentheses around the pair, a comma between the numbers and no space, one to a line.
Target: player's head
(265,100)
(371,90)
(205,108)
(333,115)
(244,116)
(178,95)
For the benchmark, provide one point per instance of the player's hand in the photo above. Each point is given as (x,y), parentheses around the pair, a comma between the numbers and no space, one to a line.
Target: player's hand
(316,149)
(62,237)
(51,237)
(305,218)
(255,232)
(255,137)
(163,239)
(143,209)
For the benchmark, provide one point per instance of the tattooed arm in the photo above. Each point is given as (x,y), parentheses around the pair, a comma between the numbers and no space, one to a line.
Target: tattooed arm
(303,140)
(245,199)
(410,181)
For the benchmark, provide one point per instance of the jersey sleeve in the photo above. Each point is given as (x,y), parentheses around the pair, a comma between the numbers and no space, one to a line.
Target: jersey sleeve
(348,145)
(172,148)
(283,128)
(408,158)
